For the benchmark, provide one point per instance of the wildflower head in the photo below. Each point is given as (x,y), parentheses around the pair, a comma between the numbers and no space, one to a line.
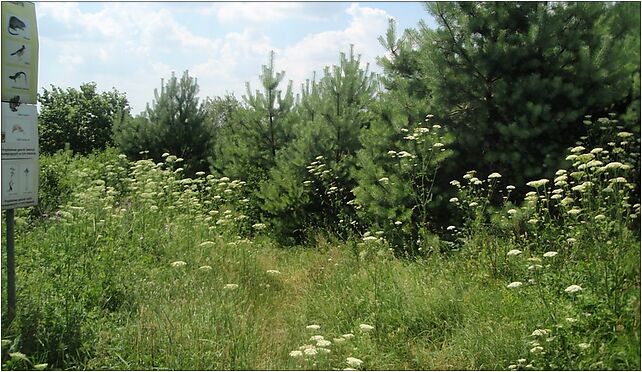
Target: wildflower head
(514,285)
(573,288)
(231,286)
(312,326)
(354,362)
(365,327)
(550,254)
(296,353)
(178,264)
(514,252)
(538,183)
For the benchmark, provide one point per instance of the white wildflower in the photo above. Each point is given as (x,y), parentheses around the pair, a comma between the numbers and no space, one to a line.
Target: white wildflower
(494,175)
(230,286)
(514,285)
(539,332)
(537,350)
(205,268)
(323,343)
(550,254)
(310,352)
(354,362)
(365,327)
(178,263)
(316,338)
(296,353)
(514,252)
(573,288)
(584,345)
(538,183)
(277,272)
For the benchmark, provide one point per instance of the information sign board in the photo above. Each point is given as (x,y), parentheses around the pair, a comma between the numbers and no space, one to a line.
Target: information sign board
(19,52)
(19,156)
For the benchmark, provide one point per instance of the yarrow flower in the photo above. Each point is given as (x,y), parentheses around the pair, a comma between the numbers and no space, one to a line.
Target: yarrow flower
(354,362)
(573,288)
(550,254)
(365,327)
(584,345)
(296,353)
(450,228)
(205,268)
(323,343)
(537,350)
(537,184)
(310,352)
(514,252)
(312,326)
(316,338)
(514,285)
(178,263)
(539,332)
(230,286)
(494,175)
(348,336)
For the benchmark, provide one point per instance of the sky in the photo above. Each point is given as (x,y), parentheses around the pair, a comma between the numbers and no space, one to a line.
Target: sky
(130,46)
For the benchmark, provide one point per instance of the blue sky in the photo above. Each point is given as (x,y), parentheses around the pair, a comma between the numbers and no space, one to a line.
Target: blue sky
(131,46)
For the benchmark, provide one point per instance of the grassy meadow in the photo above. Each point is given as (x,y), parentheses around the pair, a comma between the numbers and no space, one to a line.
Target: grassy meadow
(138,267)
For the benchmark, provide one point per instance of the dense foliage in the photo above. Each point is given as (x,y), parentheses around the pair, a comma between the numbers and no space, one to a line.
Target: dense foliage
(498,155)
(174,123)
(78,119)
(514,79)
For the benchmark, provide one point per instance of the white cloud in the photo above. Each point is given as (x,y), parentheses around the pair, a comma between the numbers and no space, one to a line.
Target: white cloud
(318,50)
(131,46)
(265,12)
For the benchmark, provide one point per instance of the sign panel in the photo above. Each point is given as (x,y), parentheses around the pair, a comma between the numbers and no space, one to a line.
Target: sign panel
(20,152)
(19,52)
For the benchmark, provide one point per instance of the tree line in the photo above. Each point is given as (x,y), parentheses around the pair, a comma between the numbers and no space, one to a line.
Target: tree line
(495,87)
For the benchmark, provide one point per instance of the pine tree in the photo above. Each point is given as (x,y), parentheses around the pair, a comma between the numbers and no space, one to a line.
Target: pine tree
(402,151)
(175,123)
(513,80)
(249,144)
(310,185)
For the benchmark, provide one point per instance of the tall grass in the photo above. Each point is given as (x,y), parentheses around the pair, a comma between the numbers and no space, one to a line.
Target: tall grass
(132,266)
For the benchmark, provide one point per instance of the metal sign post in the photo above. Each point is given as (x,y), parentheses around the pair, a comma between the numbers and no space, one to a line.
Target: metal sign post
(20,152)
(11,268)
